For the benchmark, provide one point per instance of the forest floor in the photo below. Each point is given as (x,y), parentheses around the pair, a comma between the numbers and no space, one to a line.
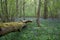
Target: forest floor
(49,30)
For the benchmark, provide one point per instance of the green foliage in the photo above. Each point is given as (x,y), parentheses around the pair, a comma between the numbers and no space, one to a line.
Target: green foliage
(53,8)
(49,30)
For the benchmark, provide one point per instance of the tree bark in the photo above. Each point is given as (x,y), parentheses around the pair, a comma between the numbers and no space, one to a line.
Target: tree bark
(38,14)
(20,9)
(17,11)
(4,13)
(35,7)
(45,9)
(24,9)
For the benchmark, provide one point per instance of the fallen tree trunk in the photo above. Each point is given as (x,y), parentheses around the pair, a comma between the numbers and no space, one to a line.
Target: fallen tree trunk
(12,26)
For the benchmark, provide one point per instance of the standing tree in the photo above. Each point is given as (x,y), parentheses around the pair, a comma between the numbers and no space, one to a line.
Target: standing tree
(38,14)
(45,9)
(24,9)
(1,9)
(35,6)
(17,11)
(4,13)
(20,10)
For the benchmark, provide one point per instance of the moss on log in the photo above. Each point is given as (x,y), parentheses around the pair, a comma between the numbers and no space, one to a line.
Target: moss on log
(12,26)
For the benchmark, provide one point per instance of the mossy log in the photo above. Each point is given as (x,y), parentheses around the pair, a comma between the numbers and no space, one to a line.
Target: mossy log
(12,26)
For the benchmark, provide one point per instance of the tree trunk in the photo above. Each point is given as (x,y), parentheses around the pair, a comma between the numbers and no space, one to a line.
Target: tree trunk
(38,14)
(4,13)
(24,9)
(17,11)
(20,14)
(45,9)
(35,7)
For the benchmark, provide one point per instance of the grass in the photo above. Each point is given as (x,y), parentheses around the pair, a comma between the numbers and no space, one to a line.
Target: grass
(49,30)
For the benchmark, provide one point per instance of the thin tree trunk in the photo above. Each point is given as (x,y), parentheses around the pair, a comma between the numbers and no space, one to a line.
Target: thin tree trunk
(38,14)
(17,11)
(35,7)
(4,14)
(24,9)
(45,9)
(2,11)
(6,11)
(20,8)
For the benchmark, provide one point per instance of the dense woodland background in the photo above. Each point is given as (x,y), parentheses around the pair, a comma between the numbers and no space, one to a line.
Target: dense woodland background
(10,9)
(44,13)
